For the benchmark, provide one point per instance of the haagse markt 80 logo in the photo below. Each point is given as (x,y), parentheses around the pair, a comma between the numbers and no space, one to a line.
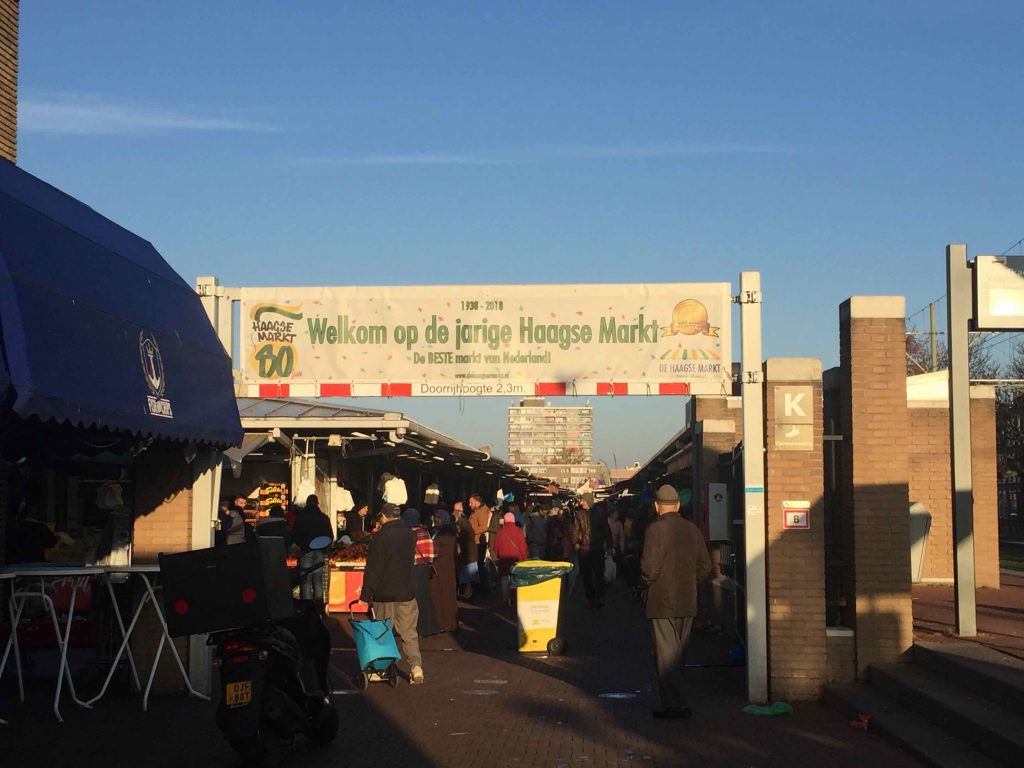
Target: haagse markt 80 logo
(272,336)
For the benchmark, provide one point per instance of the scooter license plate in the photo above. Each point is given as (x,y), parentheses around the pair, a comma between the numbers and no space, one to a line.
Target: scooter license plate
(238,694)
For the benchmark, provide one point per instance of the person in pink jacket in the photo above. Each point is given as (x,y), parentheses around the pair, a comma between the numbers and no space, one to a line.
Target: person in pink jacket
(509,549)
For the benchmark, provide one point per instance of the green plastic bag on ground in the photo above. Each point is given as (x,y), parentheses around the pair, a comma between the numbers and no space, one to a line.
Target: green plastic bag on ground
(775,710)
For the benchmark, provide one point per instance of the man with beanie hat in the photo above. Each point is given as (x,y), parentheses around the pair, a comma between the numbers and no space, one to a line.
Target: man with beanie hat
(389,586)
(675,559)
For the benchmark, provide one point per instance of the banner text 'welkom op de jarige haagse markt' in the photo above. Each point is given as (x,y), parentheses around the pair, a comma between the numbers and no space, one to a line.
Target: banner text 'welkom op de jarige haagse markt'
(514,340)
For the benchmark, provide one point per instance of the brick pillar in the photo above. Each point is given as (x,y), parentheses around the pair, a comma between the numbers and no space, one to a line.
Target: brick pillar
(985,476)
(163,523)
(875,475)
(9,79)
(794,476)
(928,401)
(718,428)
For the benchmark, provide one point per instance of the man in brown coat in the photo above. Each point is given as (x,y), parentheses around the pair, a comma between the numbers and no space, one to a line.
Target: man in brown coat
(675,559)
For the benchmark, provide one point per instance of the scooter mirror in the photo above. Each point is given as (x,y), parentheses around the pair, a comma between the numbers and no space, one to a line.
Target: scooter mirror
(320,542)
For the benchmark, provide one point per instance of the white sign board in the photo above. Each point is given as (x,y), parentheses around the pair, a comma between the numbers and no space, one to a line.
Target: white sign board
(501,340)
(999,293)
(796,515)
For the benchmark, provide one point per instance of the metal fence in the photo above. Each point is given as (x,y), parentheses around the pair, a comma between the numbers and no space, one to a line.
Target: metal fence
(1011,519)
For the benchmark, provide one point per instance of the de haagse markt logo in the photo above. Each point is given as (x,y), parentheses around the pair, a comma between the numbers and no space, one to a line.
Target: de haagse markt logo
(272,337)
(690,320)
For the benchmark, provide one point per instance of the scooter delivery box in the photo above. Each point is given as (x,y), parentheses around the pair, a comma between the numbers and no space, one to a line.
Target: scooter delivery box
(208,590)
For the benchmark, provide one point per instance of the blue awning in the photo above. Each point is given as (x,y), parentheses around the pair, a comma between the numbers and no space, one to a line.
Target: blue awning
(97,330)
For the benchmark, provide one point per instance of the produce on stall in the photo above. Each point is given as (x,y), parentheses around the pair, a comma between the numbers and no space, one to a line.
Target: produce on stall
(347,564)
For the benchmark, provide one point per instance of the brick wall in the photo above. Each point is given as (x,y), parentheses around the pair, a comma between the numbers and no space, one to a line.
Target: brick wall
(9,79)
(163,503)
(796,558)
(163,523)
(930,484)
(841,654)
(875,475)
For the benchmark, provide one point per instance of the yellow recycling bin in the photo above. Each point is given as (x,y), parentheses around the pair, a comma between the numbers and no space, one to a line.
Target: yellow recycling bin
(538,586)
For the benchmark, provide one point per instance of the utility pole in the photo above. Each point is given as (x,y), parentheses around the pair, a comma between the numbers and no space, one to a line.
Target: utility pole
(933,333)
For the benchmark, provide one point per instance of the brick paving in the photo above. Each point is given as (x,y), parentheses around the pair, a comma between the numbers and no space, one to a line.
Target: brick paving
(484,705)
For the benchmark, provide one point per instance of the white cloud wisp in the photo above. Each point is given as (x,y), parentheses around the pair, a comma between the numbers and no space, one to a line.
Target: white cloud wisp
(80,115)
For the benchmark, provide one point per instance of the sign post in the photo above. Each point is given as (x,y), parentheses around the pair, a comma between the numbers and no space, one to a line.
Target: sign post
(959,315)
(752,391)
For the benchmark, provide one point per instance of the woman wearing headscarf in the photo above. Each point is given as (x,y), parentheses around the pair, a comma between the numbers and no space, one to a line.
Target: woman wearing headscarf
(443,586)
(509,549)
(422,572)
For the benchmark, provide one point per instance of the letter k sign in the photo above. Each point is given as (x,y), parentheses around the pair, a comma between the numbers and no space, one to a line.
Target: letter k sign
(791,404)
(794,404)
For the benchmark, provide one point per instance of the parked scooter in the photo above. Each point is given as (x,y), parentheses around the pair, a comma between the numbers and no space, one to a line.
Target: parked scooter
(273,680)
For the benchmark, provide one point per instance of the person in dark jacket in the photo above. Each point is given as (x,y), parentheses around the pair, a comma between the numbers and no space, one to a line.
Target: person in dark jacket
(675,559)
(559,532)
(232,526)
(310,524)
(389,587)
(592,551)
(536,531)
(443,585)
(274,524)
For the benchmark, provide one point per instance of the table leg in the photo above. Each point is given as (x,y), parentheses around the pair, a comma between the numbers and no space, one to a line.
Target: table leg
(12,644)
(165,637)
(125,637)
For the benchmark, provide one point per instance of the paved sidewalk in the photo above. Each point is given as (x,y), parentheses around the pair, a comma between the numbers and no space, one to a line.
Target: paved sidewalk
(485,705)
(1000,614)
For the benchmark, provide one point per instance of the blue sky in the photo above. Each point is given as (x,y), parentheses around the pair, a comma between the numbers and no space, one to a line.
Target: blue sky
(835,147)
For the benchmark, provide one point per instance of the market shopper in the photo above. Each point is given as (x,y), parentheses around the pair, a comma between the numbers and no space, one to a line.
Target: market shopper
(593,518)
(558,546)
(675,559)
(423,571)
(509,549)
(274,524)
(469,568)
(618,535)
(536,531)
(231,528)
(389,587)
(311,523)
(443,585)
(479,523)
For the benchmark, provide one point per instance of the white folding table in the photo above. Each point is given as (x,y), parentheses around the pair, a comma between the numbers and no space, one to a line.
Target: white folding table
(145,573)
(7,650)
(30,583)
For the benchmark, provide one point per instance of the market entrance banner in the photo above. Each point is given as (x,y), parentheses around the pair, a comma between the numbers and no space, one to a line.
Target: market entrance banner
(496,340)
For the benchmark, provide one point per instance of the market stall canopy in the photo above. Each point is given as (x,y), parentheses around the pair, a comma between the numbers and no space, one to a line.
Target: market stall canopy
(381,431)
(249,444)
(97,330)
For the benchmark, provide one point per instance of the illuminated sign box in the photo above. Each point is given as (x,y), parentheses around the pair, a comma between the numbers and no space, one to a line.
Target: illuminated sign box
(999,293)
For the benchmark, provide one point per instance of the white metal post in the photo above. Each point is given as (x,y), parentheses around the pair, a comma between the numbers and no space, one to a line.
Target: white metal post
(960,311)
(754,526)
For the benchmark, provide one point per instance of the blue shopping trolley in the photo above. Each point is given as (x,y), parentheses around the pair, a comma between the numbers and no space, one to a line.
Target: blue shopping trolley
(377,650)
